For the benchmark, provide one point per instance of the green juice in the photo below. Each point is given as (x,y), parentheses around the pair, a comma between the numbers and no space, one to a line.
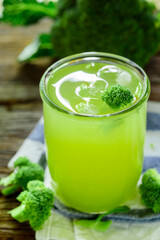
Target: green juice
(94,152)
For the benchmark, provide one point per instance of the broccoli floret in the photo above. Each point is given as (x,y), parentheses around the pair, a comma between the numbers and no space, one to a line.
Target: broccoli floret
(117,96)
(22,161)
(36,204)
(150,190)
(127,29)
(24,171)
(130,29)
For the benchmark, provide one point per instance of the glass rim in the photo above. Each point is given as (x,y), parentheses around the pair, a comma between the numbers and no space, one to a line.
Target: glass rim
(97,55)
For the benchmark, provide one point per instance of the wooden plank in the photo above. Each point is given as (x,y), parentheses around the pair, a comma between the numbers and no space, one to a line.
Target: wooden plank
(16,123)
(153,69)
(20,109)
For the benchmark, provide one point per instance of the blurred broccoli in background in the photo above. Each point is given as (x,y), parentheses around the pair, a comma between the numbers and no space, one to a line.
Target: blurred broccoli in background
(128,28)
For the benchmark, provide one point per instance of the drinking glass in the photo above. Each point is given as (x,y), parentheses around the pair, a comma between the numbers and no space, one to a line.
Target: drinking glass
(95,161)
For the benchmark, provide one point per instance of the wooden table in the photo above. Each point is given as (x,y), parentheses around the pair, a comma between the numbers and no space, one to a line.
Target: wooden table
(21,107)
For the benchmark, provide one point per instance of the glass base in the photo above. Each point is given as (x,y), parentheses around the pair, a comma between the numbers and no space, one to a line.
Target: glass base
(72,213)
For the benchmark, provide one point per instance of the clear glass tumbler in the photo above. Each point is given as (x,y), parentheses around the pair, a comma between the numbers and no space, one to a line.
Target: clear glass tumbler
(95,160)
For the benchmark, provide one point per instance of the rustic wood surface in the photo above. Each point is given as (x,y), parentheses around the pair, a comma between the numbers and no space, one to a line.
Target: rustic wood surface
(21,107)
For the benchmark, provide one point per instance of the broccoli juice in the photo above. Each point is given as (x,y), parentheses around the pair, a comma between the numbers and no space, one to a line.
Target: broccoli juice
(95,156)
(78,88)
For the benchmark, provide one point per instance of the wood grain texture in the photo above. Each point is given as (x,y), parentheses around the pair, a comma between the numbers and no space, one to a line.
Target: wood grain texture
(21,108)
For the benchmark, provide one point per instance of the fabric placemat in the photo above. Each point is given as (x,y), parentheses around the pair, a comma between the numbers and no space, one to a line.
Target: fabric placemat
(139,223)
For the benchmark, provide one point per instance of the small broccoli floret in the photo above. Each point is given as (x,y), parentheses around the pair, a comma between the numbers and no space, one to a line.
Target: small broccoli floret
(36,204)
(117,96)
(22,161)
(24,171)
(150,190)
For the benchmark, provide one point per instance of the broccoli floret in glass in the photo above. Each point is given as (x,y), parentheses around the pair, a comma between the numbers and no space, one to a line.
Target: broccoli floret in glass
(117,96)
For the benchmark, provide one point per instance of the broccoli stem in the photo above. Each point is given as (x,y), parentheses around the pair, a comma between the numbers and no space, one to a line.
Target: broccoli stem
(18,213)
(9,190)
(8,180)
